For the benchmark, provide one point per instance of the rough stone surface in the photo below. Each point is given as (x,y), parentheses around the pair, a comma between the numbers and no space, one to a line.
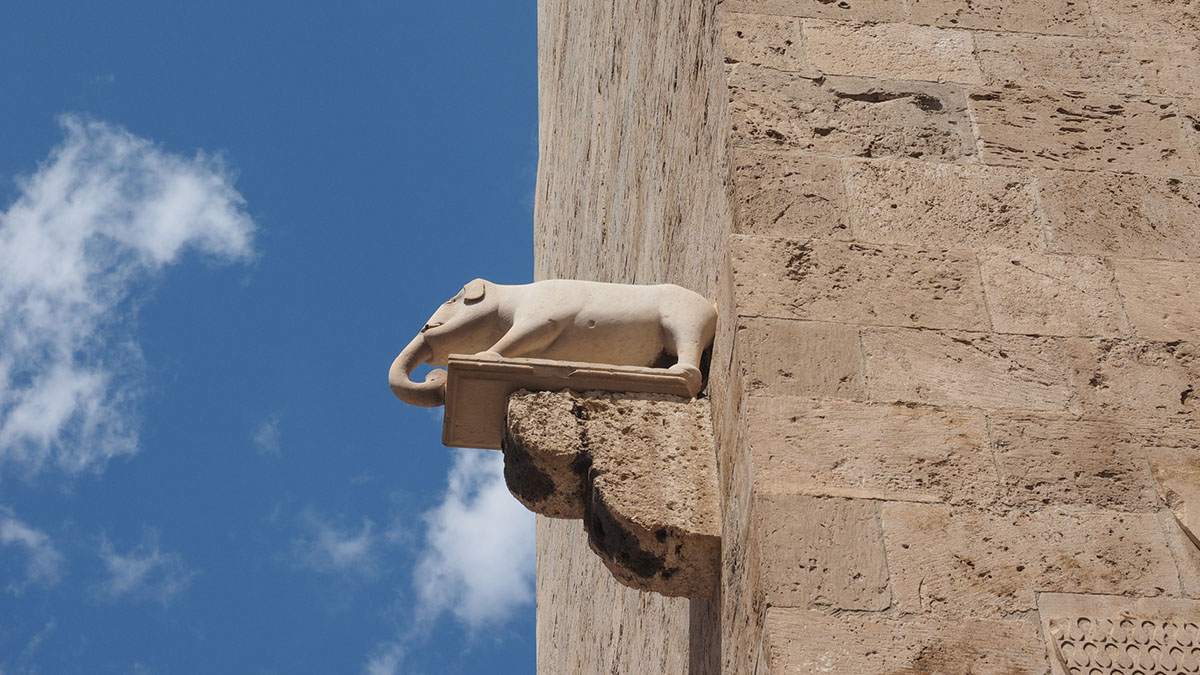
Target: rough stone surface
(848,116)
(1058,460)
(990,565)
(1066,17)
(942,205)
(771,41)
(858,283)
(1088,64)
(1121,215)
(801,358)
(1004,372)
(859,644)
(1134,377)
(642,476)
(822,553)
(892,51)
(1052,129)
(1151,20)
(856,10)
(870,451)
(788,194)
(1051,295)
(1162,298)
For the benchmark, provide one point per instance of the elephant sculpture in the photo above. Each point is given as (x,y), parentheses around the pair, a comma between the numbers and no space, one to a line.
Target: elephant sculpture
(563,320)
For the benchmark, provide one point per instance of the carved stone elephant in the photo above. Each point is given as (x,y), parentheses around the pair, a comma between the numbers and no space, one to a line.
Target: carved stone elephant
(563,320)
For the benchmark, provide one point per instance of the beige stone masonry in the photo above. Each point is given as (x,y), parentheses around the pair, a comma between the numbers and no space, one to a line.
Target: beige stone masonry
(1081,131)
(1133,377)
(875,284)
(852,10)
(963,562)
(641,474)
(1047,460)
(942,205)
(1088,64)
(801,358)
(863,644)
(1126,215)
(789,194)
(1153,20)
(848,116)
(1004,372)
(1037,294)
(892,51)
(822,553)
(762,40)
(1063,17)
(1174,455)
(870,451)
(1162,298)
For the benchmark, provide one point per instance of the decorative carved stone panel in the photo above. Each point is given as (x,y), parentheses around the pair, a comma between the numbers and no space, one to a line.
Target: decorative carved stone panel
(1115,635)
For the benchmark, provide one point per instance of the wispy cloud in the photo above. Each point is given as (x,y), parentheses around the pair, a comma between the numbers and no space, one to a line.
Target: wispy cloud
(43,562)
(329,548)
(266,436)
(104,213)
(476,562)
(145,572)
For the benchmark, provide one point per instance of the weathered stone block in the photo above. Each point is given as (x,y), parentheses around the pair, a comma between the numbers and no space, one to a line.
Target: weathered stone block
(788,194)
(1121,214)
(822,553)
(856,283)
(848,116)
(801,358)
(1133,377)
(1066,17)
(1174,455)
(644,472)
(858,644)
(1154,20)
(1006,372)
(891,51)
(1081,131)
(964,562)
(870,451)
(1064,461)
(764,40)
(846,10)
(1161,298)
(1087,64)
(942,205)
(1039,294)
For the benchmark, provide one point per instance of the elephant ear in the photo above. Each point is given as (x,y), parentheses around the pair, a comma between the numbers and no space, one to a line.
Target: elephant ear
(473,291)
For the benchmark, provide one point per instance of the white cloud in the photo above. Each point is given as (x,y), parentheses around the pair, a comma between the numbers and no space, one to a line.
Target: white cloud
(386,661)
(478,561)
(43,562)
(106,211)
(144,573)
(327,548)
(266,436)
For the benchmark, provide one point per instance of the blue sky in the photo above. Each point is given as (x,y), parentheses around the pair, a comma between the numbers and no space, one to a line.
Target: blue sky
(219,222)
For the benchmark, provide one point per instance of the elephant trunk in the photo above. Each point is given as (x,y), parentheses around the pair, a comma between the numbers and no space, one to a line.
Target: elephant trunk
(427,394)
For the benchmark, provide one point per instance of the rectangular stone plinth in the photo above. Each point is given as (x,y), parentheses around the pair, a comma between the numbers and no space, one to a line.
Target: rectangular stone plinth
(477,390)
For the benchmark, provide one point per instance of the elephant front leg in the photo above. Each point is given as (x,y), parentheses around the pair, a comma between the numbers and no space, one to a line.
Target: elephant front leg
(525,340)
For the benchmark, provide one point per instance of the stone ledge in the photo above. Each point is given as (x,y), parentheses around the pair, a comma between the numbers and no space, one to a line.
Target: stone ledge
(477,388)
(638,468)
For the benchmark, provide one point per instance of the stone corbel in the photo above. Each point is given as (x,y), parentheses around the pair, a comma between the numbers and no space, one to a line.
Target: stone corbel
(561,374)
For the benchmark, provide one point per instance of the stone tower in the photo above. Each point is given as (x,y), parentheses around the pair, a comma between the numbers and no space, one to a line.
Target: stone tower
(955,246)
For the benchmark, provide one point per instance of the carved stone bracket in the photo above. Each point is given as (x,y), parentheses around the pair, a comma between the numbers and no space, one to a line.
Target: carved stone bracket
(638,468)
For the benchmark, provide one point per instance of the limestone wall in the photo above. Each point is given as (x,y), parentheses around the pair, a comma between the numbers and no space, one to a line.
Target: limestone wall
(632,187)
(964,273)
(956,248)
